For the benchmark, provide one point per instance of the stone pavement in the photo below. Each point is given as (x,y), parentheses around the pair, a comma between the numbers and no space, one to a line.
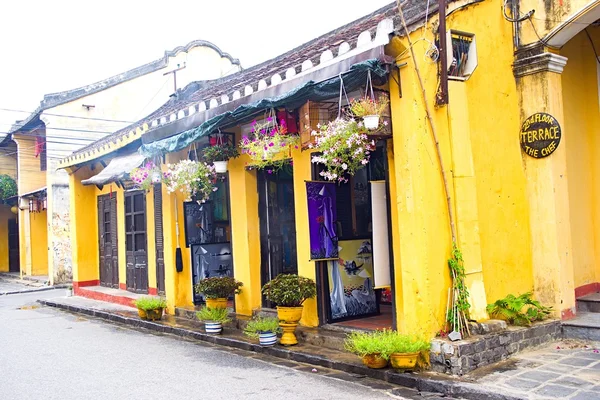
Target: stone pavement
(569,369)
(10,283)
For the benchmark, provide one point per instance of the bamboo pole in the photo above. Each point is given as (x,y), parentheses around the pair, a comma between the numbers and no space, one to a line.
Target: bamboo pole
(431,124)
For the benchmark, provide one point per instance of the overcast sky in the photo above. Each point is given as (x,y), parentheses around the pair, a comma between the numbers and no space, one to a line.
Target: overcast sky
(50,46)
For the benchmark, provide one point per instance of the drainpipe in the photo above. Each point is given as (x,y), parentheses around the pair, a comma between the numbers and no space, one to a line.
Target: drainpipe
(442,97)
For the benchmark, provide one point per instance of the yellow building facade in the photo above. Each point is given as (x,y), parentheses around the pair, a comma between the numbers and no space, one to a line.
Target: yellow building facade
(524,216)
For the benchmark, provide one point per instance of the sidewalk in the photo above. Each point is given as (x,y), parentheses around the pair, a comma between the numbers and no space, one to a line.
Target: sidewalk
(546,373)
(11,283)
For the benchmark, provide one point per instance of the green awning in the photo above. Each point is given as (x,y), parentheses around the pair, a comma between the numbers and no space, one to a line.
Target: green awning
(354,78)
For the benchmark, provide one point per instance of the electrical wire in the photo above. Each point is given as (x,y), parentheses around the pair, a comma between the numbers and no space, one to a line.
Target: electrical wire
(520,19)
(593,45)
(67,116)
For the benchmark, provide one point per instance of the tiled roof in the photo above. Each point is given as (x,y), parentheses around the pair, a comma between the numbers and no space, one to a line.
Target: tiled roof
(54,99)
(200,96)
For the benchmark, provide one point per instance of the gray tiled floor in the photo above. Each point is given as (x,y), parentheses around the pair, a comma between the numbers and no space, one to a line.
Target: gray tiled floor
(566,370)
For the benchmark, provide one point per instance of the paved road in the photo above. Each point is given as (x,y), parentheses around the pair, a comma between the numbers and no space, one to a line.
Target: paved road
(48,354)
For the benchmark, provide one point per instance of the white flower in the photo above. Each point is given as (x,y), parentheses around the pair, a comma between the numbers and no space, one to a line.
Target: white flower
(344,166)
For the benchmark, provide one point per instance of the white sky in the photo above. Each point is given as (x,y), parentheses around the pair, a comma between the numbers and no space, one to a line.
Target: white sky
(50,46)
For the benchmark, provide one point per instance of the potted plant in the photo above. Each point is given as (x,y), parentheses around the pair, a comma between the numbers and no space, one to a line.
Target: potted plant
(213,319)
(192,178)
(145,176)
(404,350)
(150,308)
(69,290)
(288,292)
(267,142)
(344,148)
(219,154)
(370,110)
(370,346)
(263,328)
(216,290)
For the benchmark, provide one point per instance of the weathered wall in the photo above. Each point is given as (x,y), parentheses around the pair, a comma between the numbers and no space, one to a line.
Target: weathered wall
(5,215)
(31,177)
(60,243)
(582,124)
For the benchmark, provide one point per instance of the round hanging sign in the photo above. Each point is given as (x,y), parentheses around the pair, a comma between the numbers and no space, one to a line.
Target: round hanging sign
(540,135)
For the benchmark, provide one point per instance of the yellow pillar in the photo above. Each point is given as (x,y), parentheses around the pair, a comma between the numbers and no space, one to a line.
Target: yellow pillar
(84,219)
(540,90)
(465,198)
(121,239)
(39,243)
(306,268)
(5,215)
(151,245)
(245,235)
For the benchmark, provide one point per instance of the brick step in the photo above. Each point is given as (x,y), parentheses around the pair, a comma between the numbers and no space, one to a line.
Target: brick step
(585,326)
(589,303)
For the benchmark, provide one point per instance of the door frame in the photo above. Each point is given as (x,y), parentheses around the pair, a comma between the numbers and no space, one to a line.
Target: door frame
(132,233)
(113,221)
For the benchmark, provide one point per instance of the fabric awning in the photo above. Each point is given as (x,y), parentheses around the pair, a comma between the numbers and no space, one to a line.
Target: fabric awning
(116,169)
(353,78)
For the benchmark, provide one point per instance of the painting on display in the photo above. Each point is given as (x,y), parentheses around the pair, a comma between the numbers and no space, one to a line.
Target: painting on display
(211,260)
(351,288)
(321,220)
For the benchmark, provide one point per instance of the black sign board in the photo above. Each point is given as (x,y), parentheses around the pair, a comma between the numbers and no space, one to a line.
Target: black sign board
(540,135)
(198,223)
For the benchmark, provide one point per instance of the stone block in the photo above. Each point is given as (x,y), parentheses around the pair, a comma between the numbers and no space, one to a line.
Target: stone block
(479,347)
(436,346)
(516,336)
(493,325)
(493,342)
(512,347)
(465,349)
(447,348)
(504,339)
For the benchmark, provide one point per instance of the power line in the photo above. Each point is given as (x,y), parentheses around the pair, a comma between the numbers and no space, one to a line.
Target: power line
(68,116)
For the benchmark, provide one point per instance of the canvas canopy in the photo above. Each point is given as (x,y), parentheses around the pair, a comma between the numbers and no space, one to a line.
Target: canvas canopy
(354,78)
(116,169)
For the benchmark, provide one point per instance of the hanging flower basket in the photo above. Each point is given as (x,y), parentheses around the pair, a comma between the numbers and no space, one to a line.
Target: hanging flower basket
(144,176)
(192,178)
(219,154)
(370,111)
(268,143)
(344,148)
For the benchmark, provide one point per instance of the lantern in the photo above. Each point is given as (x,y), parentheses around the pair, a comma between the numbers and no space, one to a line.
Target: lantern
(14,210)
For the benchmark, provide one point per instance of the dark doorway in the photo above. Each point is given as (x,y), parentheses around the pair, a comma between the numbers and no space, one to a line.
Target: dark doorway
(135,234)
(158,232)
(107,237)
(277,223)
(13,246)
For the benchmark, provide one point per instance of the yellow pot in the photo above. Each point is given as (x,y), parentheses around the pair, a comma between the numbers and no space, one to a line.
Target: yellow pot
(374,361)
(289,314)
(142,313)
(288,320)
(154,315)
(221,302)
(404,360)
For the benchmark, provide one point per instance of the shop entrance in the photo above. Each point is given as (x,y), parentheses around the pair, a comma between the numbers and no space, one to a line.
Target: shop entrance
(107,236)
(136,243)
(351,287)
(13,246)
(277,224)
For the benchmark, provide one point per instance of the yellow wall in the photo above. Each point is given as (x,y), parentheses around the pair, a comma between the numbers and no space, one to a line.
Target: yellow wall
(5,215)
(582,124)
(30,176)
(39,242)
(8,160)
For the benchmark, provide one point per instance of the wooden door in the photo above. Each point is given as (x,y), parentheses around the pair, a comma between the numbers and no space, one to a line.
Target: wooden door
(277,224)
(13,246)
(107,241)
(136,244)
(158,230)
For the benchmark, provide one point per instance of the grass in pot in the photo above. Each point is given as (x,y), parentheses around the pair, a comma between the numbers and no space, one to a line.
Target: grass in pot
(404,350)
(213,319)
(265,329)
(216,290)
(150,308)
(370,347)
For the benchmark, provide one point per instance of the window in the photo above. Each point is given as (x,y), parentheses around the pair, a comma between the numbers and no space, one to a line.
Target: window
(462,54)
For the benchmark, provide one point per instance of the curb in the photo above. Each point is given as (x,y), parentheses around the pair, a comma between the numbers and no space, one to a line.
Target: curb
(33,290)
(446,387)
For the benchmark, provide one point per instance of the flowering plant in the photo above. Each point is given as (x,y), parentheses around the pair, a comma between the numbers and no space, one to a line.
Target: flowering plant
(344,147)
(220,152)
(192,178)
(367,106)
(268,140)
(142,176)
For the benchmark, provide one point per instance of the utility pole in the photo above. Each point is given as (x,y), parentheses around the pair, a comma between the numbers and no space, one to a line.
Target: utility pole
(174,72)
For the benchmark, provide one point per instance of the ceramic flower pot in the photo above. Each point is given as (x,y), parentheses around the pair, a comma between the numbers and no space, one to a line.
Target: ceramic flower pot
(267,338)
(374,361)
(220,302)
(142,313)
(404,360)
(288,320)
(213,328)
(371,121)
(154,315)
(220,166)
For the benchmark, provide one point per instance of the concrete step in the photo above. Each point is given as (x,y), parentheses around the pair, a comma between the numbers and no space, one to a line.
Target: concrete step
(589,303)
(585,326)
